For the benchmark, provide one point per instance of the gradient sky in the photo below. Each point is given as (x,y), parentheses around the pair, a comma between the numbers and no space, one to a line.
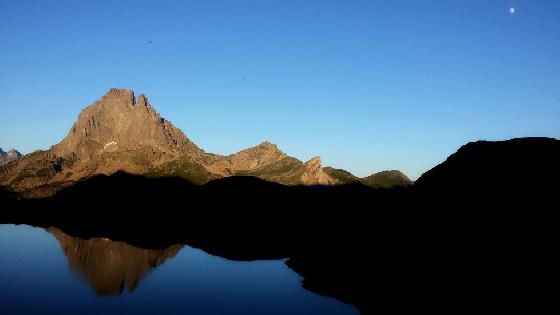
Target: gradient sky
(368,85)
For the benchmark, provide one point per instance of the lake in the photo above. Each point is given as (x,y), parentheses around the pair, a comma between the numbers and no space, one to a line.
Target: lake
(48,271)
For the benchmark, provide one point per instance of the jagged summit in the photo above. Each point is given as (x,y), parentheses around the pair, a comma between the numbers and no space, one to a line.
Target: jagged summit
(267,144)
(314,175)
(118,132)
(119,122)
(316,161)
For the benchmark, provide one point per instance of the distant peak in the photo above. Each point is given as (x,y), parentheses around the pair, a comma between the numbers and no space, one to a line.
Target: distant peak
(115,91)
(11,155)
(13,151)
(120,122)
(267,144)
(264,146)
(120,96)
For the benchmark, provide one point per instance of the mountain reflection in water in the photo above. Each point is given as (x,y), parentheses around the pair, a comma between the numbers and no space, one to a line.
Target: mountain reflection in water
(108,265)
(41,272)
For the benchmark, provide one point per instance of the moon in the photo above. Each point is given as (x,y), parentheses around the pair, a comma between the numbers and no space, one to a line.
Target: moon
(511,10)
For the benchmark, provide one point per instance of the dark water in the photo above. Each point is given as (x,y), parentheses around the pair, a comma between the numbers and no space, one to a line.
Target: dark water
(47,271)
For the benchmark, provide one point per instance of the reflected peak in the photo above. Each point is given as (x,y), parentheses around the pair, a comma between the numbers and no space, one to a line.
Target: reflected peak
(108,266)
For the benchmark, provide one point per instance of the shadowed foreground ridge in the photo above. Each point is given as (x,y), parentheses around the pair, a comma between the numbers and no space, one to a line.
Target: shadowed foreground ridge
(474,231)
(523,164)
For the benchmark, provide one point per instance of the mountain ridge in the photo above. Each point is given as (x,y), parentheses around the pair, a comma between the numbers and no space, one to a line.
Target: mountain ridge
(122,132)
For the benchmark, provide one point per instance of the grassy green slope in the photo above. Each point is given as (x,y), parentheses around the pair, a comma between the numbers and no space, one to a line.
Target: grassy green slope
(190,171)
(387,179)
(286,171)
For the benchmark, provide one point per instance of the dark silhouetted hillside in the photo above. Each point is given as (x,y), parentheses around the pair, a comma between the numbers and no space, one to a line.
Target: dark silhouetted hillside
(526,166)
(476,231)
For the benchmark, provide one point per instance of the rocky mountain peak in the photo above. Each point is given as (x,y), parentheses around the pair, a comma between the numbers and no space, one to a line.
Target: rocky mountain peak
(267,145)
(252,158)
(118,122)
(120,93)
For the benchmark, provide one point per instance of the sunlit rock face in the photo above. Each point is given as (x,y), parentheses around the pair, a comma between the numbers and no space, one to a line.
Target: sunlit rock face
(249,159)
(122,132)
(118,132)
(313,173)
(110,266)
(120,122)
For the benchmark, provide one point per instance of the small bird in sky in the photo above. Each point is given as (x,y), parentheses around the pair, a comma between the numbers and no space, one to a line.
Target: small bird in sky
(149,42)
(512,10)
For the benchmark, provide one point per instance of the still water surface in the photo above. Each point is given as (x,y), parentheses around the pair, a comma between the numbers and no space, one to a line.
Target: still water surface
(48,271)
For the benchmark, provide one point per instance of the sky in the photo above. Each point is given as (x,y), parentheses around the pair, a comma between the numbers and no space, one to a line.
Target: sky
(367,85)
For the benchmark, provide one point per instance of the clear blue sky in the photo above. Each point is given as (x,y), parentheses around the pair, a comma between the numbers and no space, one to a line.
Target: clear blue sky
(368,85)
